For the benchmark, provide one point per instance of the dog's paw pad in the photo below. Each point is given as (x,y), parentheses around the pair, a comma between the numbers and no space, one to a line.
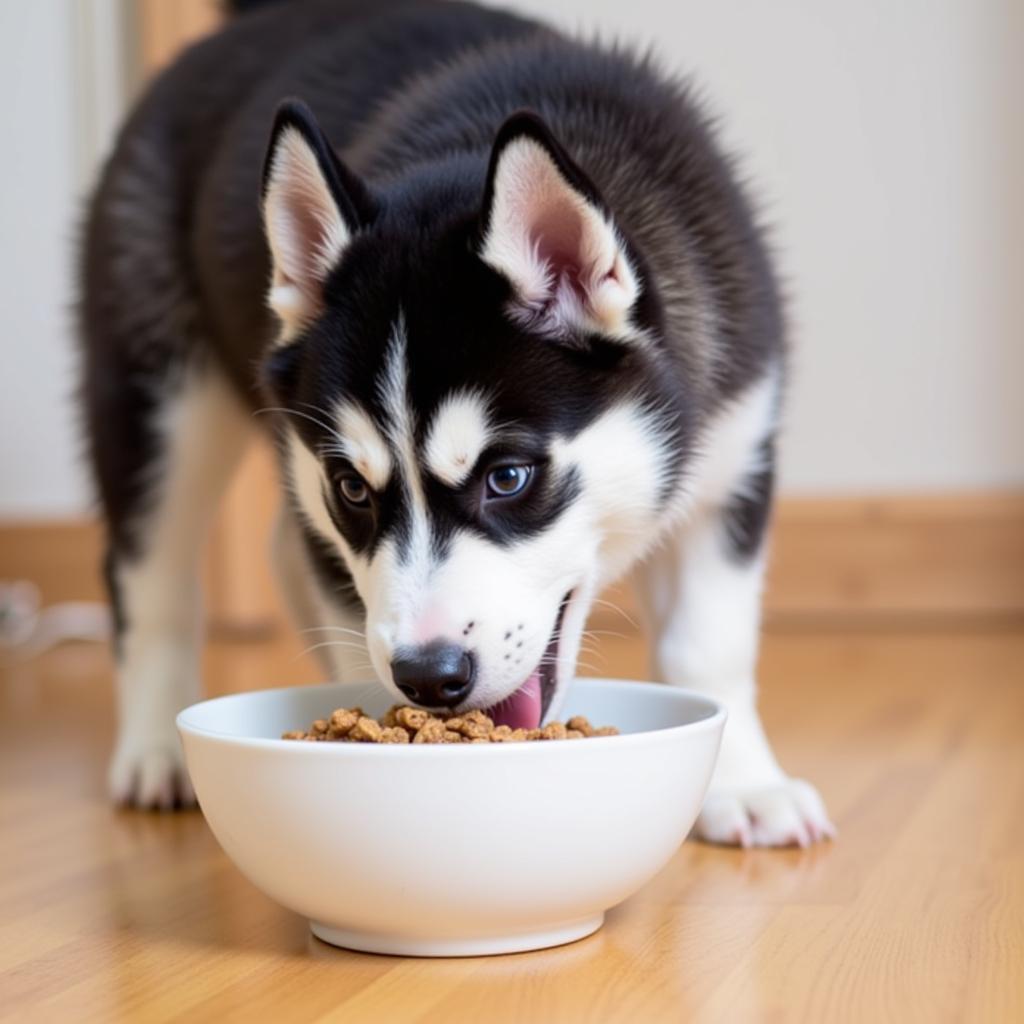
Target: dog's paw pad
(150,776)
(788,813)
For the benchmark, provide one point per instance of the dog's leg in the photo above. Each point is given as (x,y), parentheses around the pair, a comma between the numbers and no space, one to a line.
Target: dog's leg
(703,592)
(321,603)
(179,452)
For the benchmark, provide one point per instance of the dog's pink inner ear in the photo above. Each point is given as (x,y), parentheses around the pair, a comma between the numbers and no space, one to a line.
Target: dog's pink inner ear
(563,256)
(305,229)
(557,235)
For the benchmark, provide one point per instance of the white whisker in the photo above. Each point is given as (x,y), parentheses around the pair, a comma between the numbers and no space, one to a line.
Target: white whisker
(616,608)
(295,412)
(335,629)
(331,643)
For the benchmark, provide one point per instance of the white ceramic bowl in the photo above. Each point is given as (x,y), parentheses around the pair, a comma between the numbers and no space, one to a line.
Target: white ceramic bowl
(452,850)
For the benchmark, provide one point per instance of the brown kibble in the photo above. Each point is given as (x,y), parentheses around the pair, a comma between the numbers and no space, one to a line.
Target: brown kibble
(411,718)
(432,731)
(477,716)
(402,723)
(341,723)
(472,725)
(366,730)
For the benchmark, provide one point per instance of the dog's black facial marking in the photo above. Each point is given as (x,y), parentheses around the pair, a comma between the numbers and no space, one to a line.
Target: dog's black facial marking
(358,525)
(331,572)
(386,515)
(467,509)
(551,494)
(747,512)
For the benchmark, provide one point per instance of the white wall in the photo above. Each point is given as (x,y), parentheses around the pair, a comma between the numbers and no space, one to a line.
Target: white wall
(885,139)
(63,74)
(38,212)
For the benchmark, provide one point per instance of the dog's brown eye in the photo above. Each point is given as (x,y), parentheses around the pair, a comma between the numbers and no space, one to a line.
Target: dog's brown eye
(354,491)
(507,481)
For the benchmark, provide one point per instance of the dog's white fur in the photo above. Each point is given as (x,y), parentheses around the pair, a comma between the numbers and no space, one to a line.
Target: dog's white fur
(362,444)
(459,432)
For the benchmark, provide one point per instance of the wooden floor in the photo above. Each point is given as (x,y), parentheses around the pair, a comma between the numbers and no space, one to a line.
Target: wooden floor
(916,913)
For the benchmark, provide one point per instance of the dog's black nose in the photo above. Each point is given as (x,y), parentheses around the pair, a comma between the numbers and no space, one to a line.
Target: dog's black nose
(437,674)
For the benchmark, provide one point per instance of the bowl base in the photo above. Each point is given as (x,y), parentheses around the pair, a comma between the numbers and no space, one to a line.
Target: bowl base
(491,945)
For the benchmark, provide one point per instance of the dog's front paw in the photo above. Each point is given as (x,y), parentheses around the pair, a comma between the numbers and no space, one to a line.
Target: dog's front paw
(148,771)
(786,813)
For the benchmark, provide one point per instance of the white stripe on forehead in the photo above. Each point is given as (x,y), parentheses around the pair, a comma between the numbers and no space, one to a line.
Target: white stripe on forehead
(458,433)
(362,444)
(401,426)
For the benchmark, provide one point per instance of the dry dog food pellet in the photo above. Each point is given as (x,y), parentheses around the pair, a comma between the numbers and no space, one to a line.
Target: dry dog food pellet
(409,718)
(366,729)
(342,721)
(405,724)
(431,731)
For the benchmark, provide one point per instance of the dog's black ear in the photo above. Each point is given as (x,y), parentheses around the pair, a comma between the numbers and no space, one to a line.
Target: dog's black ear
(312,206)
(545,227)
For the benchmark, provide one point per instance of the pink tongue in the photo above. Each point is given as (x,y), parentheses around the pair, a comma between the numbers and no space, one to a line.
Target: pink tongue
(522,709)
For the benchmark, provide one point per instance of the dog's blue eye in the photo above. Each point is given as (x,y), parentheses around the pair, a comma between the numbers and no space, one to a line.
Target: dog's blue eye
(354,491)
(507,481)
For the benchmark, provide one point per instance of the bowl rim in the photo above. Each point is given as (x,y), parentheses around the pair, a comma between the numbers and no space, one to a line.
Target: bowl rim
(713,718)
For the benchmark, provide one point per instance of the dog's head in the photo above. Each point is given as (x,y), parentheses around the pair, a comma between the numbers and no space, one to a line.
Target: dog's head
(480,419)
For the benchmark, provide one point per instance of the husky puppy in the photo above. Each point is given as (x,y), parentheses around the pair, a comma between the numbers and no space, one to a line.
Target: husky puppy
(513,324)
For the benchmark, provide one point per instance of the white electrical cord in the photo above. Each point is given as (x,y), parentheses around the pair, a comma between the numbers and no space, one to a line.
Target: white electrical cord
(29,629)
